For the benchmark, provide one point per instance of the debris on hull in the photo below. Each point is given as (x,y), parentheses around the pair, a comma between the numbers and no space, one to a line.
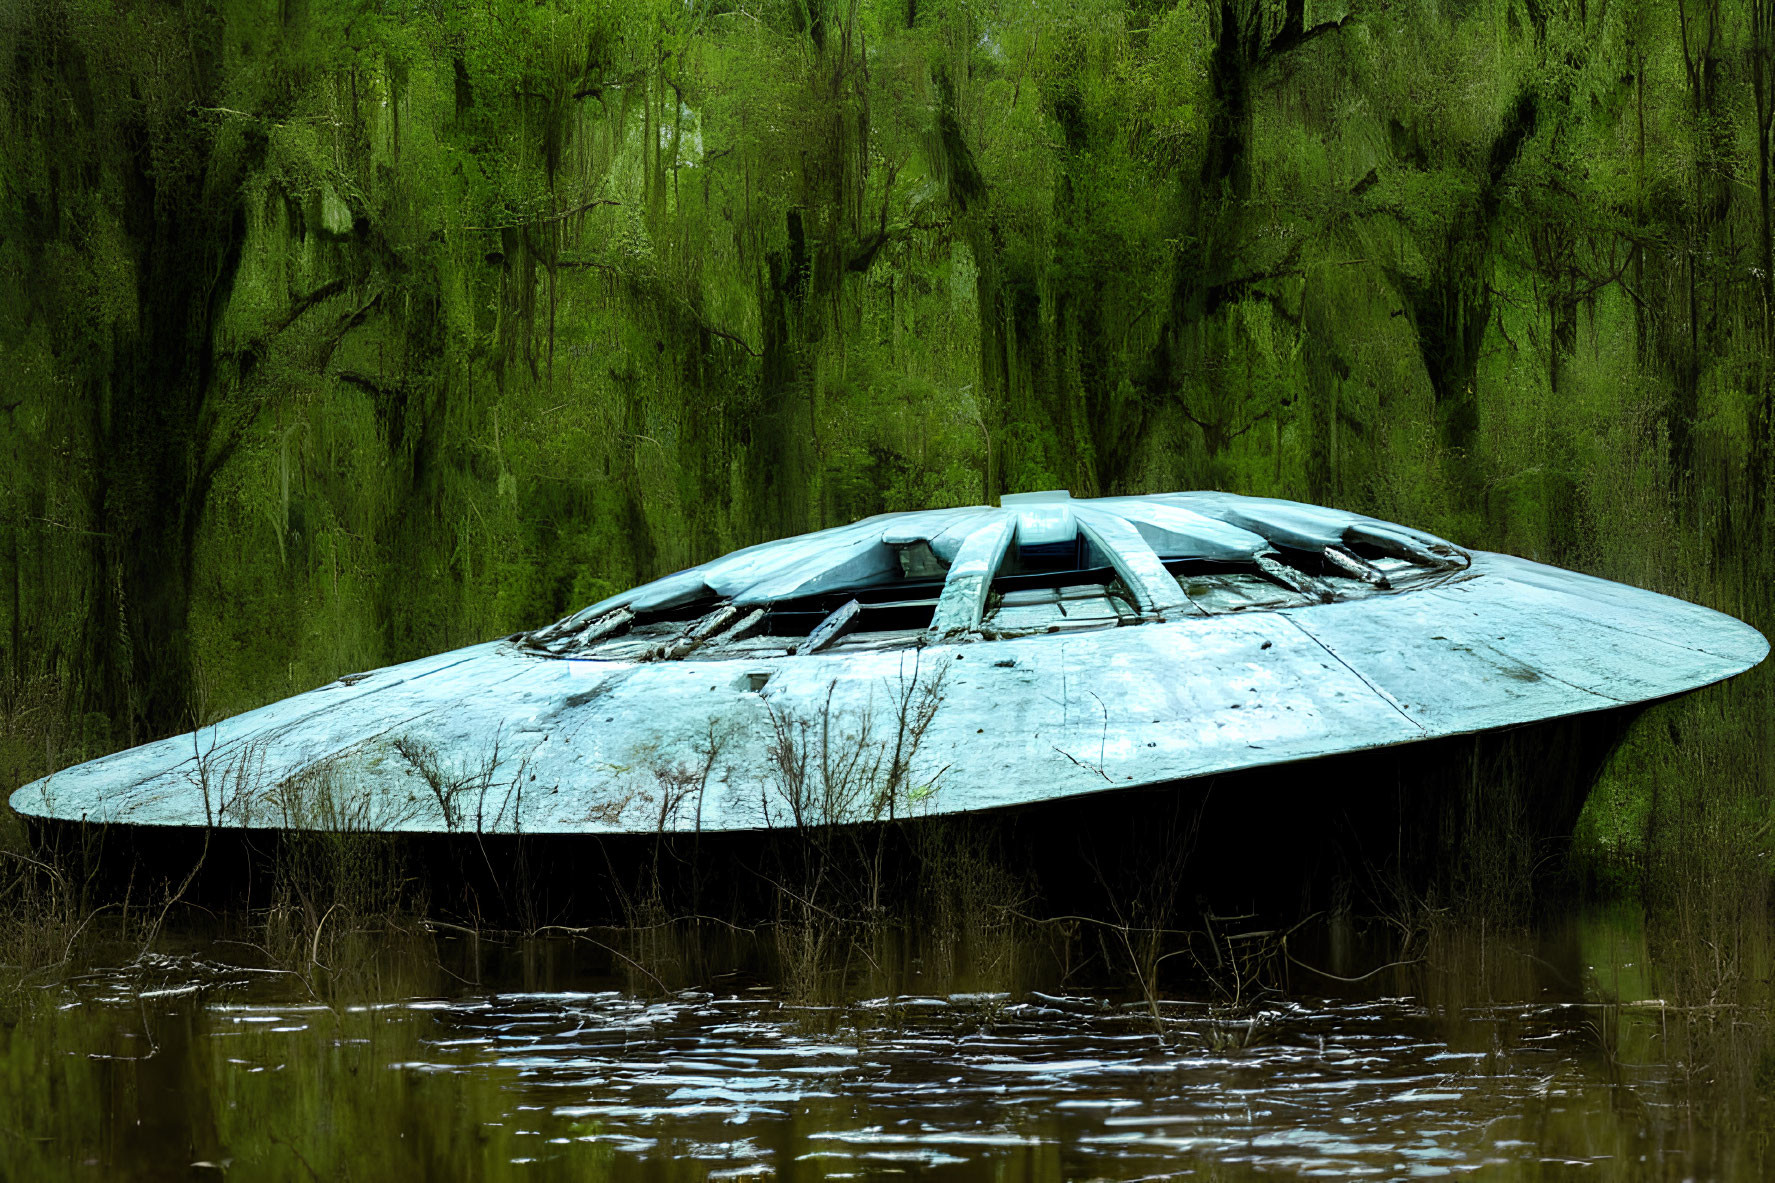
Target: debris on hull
(946,661)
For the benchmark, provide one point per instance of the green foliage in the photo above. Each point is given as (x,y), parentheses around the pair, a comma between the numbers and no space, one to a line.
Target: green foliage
(338,333)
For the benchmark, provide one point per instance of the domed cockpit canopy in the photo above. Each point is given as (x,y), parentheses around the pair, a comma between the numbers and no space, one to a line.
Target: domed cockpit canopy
(1038,563)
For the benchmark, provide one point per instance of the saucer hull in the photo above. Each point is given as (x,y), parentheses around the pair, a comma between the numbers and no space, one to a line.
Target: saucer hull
(498,739)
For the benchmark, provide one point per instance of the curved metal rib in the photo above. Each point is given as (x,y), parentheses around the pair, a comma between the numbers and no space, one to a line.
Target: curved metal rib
(1155,591)
(963,601)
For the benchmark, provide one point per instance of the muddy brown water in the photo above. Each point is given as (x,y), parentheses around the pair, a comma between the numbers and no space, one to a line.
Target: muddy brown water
(1541,1054)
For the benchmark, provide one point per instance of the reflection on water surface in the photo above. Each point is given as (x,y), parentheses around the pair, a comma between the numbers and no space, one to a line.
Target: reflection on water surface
(1523,1058)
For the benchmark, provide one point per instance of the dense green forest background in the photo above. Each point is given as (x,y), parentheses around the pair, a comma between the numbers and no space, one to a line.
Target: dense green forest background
(338,333)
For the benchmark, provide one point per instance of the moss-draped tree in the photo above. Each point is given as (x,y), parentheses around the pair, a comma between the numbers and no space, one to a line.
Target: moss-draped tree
(338,332)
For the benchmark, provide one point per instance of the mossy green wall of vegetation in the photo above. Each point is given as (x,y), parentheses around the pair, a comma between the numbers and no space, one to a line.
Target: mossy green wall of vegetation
(334,334)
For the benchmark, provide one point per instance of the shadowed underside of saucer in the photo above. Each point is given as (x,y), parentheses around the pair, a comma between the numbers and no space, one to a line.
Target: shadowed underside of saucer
(936,662)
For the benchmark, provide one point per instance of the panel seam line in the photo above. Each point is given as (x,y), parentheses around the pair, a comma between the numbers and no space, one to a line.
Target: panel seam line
(1390,700)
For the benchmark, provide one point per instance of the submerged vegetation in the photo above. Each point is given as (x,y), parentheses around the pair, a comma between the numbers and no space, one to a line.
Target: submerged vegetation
(337,334)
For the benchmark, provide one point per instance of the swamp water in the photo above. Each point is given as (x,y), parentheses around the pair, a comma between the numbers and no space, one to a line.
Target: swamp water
(1540,1054)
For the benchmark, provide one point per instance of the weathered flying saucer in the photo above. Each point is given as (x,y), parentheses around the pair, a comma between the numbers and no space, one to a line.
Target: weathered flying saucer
(936,662)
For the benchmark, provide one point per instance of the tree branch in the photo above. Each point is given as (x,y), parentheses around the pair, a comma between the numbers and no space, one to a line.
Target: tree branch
(655,292)
(300,308)
(1221,294)
(345,325)
(365,383)
(1221,428)
(245,360)
(544,221)
(1293,34)
(860,261)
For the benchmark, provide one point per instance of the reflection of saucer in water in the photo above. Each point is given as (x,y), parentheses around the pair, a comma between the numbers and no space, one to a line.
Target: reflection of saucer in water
(934,662)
